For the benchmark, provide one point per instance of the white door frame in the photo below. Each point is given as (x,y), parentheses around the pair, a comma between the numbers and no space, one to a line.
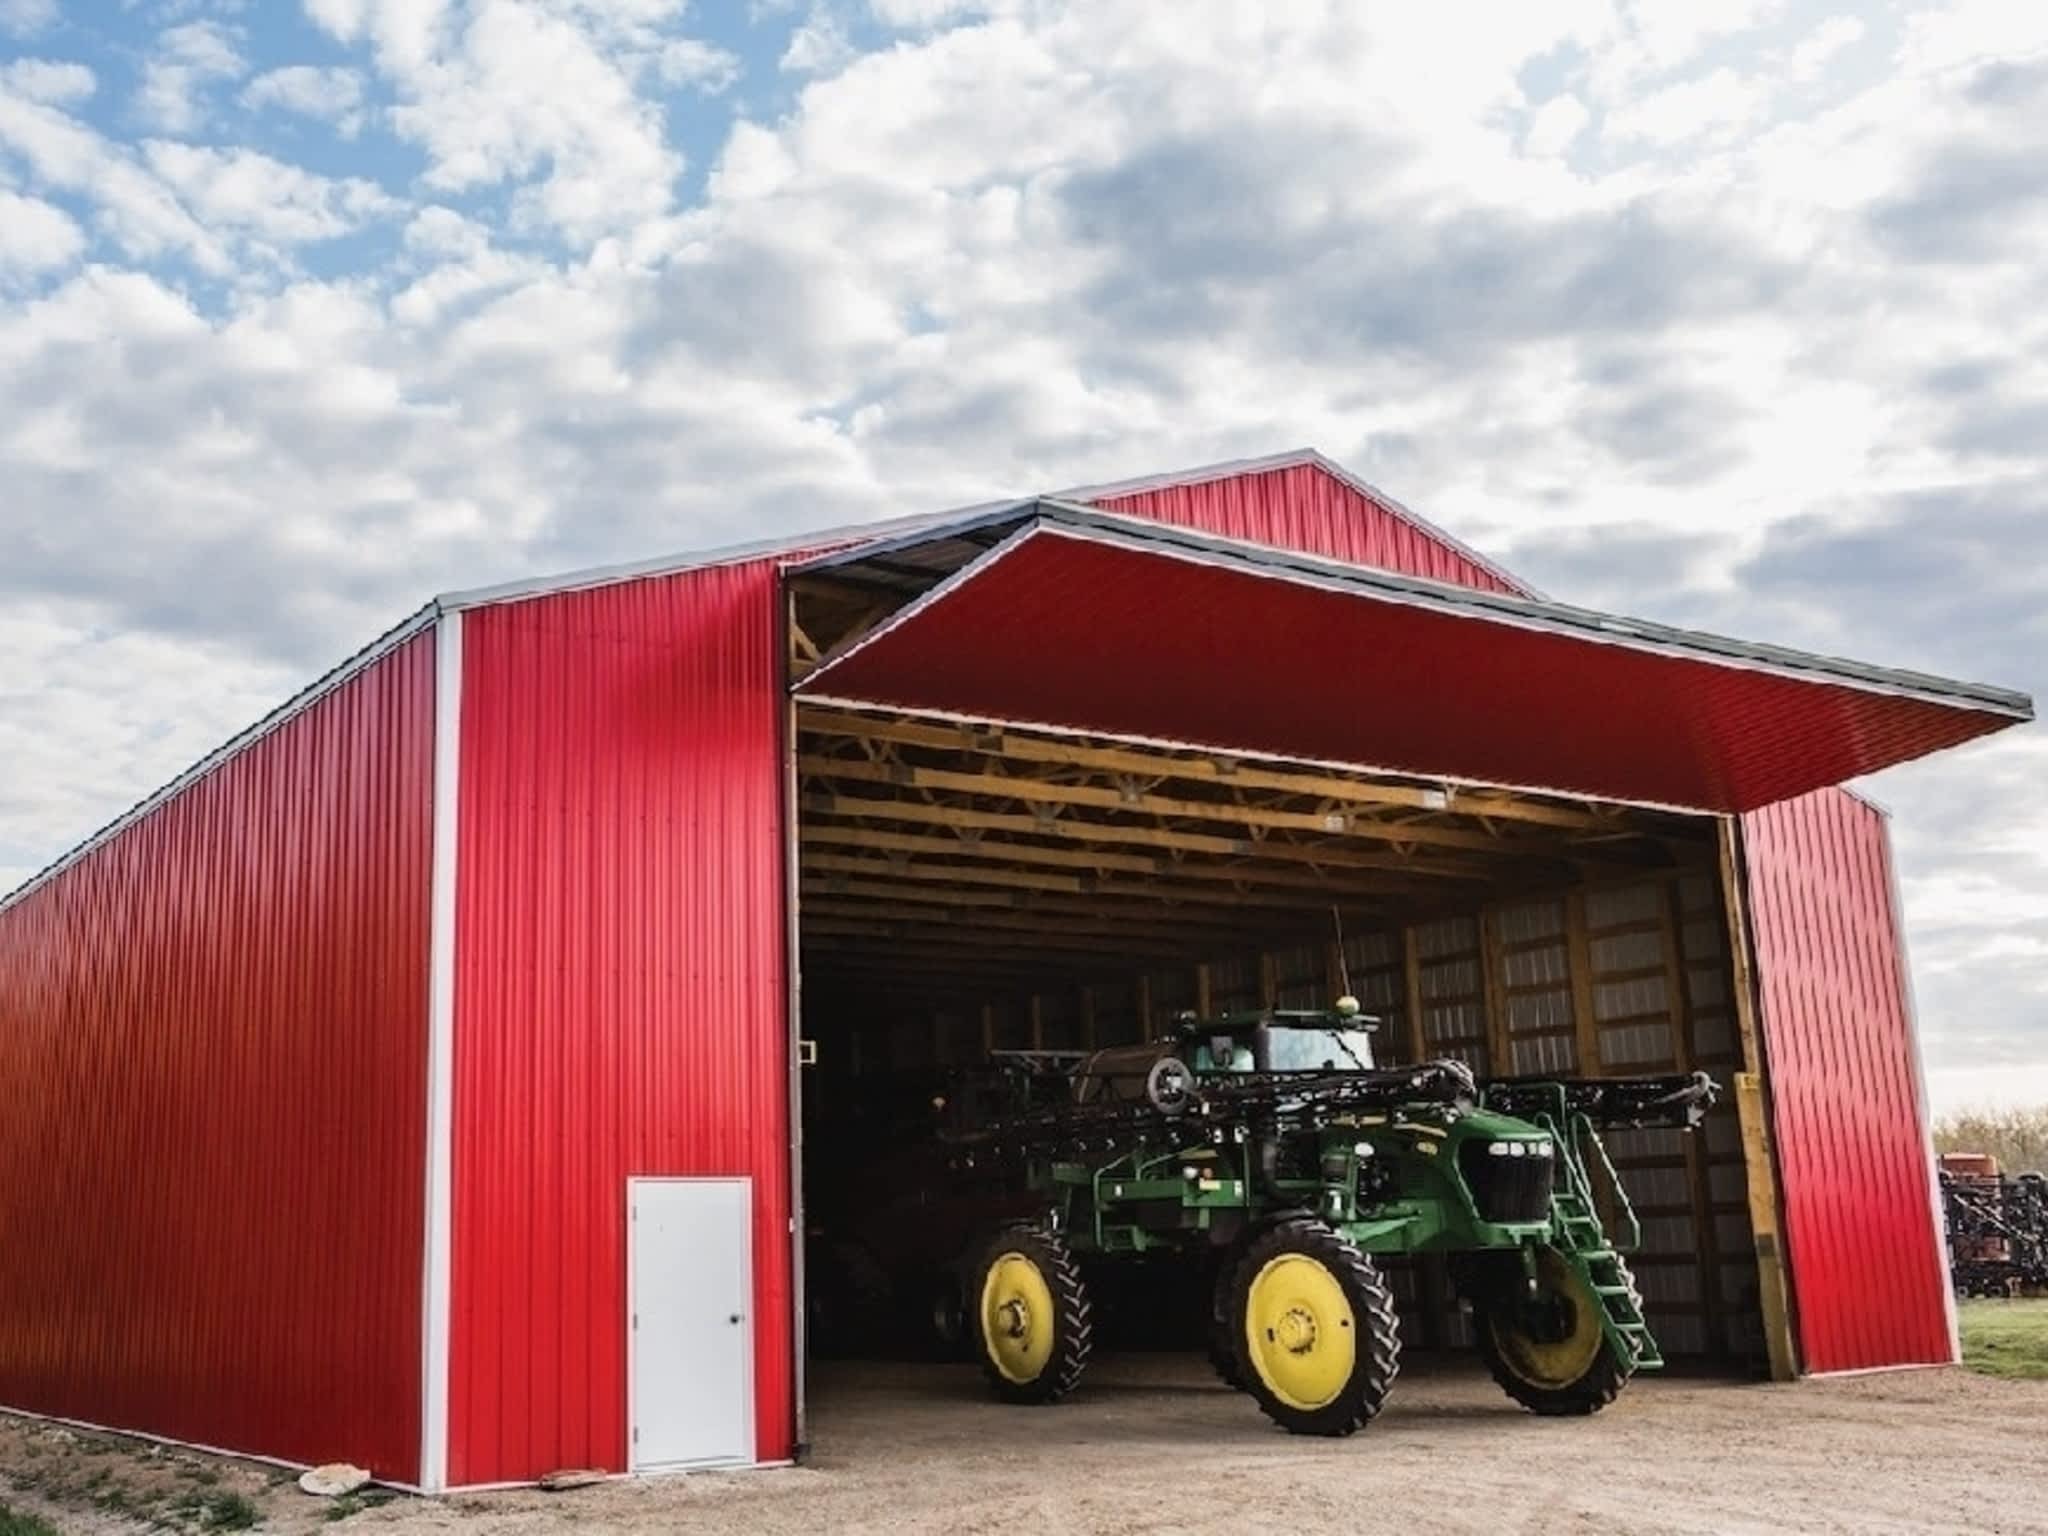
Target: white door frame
(752,1454)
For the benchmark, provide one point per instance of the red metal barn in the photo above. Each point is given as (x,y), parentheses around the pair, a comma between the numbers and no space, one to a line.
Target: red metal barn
(364,1080)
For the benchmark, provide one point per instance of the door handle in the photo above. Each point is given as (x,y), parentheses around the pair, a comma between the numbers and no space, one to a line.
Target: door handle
(736,1317)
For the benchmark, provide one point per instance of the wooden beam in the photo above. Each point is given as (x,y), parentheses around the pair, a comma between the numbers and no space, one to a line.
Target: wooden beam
(971,843)
(1579,961)
(1327,855)
(1752,1106)
(930,907)
(1207,769)
(824,939)
(1210,768)
(1338,820)
(1166,893)
(998,850)
(1214,929)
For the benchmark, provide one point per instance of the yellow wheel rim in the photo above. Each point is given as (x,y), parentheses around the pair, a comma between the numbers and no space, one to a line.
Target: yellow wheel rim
(1300,1331)
(1017,1317)
(1552,1363)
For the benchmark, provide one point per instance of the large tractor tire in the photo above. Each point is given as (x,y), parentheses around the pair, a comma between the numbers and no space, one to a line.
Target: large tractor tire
(1550,1351)
(1318,1344)
(1030,1315)
(1221,1342)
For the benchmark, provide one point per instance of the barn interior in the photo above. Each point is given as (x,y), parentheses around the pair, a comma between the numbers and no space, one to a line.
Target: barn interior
(966,887)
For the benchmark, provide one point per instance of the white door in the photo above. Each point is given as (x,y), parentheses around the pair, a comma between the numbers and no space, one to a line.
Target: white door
(691,1328)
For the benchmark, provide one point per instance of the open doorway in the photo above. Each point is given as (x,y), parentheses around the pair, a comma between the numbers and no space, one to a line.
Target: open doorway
(968,889)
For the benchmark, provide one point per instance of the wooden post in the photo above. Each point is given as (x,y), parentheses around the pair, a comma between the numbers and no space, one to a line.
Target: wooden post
(1411,980)
(1203,993)
(1269,979)
(1493,996)
(1752,1106)
(1679,1004)
(1579,948)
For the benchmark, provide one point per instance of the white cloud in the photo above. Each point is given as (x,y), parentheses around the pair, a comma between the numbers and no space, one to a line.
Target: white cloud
(131,206)
(1713,106)
(690,61)
(818,46)
(438,231)
(189,60)
(248,193)
(1556,124)
(25,18)
(1819,48)
(332,95)
(52,81)
(35,237)
(540,93)
(926,13)
(1044,245)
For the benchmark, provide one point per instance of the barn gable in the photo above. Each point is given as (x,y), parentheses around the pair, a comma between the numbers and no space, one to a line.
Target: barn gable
(1302,501)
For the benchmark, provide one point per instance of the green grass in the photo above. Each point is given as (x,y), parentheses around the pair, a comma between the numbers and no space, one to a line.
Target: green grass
(2006,1338)
(14,1523)
(216,1511)
(352,1504)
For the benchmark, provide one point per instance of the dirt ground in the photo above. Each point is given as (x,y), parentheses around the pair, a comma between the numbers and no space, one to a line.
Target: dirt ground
(1151,1443)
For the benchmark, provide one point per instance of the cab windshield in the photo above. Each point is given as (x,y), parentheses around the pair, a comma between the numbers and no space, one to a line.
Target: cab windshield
(1318,1050)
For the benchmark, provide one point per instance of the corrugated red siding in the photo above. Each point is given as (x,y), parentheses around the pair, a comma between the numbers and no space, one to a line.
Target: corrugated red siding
(1305,507)
(1868,1279)
(620,990)
(213,1062)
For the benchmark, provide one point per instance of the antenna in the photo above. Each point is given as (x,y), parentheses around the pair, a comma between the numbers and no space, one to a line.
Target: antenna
(1343,960)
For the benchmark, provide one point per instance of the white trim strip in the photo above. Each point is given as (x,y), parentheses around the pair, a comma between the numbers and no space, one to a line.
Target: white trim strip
(298,703)
(440,1066)
(793,1002)
(728,554)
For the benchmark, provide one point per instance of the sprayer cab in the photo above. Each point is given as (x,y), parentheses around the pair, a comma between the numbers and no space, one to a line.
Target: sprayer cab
(1335,1039)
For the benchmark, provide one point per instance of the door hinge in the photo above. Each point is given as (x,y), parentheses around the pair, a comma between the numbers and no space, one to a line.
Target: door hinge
(636,1319)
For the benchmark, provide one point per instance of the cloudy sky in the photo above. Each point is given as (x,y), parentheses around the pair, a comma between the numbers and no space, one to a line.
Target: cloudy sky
(1731,315)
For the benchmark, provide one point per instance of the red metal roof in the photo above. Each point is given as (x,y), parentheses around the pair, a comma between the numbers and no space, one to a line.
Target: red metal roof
(1081,621)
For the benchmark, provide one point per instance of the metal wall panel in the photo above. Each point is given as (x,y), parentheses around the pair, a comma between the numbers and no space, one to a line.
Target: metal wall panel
(1868,1280)
(1304,507)
(213,1056)
(621,990)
